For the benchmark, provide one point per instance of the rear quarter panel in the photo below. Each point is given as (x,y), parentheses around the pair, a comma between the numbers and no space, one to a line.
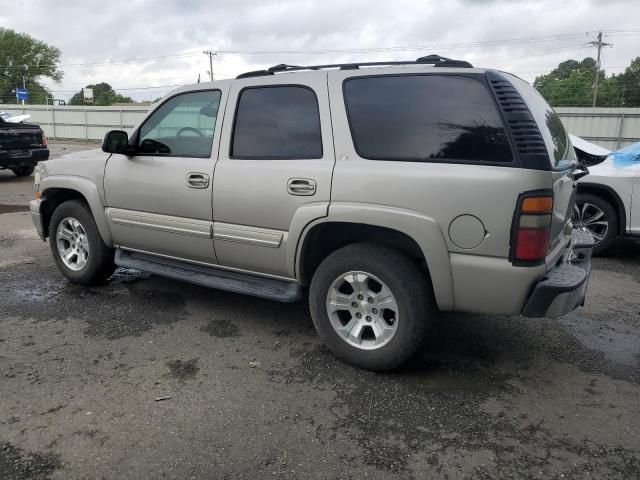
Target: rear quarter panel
(439,192)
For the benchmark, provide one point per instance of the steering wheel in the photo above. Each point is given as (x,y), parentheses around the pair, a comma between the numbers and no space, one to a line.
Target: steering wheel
(190,129)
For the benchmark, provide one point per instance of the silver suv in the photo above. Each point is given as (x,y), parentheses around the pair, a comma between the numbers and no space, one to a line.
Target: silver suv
(387,191)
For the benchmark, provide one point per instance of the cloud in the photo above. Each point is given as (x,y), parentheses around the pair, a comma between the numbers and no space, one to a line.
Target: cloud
(98,31)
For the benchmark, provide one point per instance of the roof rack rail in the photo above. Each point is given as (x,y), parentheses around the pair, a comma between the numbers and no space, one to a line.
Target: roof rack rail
(435,60)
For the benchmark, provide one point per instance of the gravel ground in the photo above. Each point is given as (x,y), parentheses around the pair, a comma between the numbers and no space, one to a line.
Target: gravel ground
(151,378)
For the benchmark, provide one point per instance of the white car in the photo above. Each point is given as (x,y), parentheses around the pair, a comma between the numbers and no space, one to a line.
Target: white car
(7,117)
(608,201)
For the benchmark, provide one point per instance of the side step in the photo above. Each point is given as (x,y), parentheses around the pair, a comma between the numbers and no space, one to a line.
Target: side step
(270,288)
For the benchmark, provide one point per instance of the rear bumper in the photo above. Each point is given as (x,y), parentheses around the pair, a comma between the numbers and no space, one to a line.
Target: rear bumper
(563,287)
(22,158)
(36,216)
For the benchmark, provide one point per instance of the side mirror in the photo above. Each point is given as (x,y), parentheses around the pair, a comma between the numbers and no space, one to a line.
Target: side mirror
(116,141)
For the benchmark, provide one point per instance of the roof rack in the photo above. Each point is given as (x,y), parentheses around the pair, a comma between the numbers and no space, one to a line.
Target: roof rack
(435,60)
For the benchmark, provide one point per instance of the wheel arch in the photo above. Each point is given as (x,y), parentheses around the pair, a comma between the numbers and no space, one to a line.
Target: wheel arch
(58,189)
(416,236)
(610,195)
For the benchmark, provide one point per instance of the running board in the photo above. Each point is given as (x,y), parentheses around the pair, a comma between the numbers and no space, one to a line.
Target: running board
(270,288)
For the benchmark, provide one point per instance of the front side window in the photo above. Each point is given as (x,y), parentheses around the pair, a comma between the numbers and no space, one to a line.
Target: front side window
(277,122)
(182,127)
(422,118)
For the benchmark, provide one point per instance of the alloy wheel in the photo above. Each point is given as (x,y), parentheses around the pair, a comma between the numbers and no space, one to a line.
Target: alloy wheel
(362,310)
(590,218)
(72,243)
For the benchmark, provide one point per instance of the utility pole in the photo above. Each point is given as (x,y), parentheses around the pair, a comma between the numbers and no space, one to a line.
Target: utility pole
(211,55)
(599,44)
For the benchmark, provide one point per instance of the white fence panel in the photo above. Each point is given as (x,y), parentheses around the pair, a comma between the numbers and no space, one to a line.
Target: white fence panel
(610,128)
(78,122)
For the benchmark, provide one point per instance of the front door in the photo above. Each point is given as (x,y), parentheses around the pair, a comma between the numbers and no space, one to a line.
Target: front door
(159,199)
(274,169)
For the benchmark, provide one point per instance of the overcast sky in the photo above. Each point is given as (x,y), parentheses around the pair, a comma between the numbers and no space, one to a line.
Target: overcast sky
(137,44)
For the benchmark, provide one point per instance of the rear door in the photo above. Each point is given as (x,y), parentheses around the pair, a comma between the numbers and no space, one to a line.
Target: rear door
(159,199)
(273,174)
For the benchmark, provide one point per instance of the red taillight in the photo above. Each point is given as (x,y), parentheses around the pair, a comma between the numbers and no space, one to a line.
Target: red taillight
(45,140)
(531,244)
(532,228)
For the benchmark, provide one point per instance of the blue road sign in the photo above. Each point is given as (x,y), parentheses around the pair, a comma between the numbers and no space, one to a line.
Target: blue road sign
(22,94)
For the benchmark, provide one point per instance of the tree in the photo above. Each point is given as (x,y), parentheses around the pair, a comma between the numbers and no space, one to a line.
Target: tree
(24,56)
(103,94)
(571,84)
(629,84)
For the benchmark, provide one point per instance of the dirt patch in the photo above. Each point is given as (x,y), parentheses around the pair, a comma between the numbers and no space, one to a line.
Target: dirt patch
(221,329)
(15,464)
(432,407)
(115,310)
(183,370)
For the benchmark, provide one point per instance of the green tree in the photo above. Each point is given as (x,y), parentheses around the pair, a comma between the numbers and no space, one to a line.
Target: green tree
(571,84)
(24,56)
(103,94)
(629,84)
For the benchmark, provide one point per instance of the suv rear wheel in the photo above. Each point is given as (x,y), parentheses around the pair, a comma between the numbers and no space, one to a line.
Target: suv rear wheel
(371,305)
(77,247)
(598,217)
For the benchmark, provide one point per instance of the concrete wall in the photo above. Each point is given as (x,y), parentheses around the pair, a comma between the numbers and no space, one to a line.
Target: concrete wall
(610,128)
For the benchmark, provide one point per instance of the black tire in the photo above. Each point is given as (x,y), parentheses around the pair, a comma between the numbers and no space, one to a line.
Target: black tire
(610,215)
(100,263)
(409,285)
(23,171)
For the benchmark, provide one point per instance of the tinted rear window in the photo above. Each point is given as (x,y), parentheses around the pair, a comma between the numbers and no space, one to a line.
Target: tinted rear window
(425,118)
(277,122)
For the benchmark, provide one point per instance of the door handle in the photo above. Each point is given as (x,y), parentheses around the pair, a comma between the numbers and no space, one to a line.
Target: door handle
(197,180)
(301,186)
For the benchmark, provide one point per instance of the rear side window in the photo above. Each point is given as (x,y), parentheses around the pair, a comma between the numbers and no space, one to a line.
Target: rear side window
(279,122)
(555,137)
(424,118)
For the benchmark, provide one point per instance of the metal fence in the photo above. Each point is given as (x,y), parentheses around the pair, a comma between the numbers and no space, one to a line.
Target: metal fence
(610,128)
(79,123)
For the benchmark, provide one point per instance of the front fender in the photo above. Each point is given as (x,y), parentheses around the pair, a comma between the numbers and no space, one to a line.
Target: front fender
(91,194)
(425,231)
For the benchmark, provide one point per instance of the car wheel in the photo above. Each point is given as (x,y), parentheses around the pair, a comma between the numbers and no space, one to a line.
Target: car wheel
(77,247)
(371,305)
(23,171)
(595,215)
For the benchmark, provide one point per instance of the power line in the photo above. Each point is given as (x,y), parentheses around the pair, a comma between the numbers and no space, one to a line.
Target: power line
(441,46)
(407,48)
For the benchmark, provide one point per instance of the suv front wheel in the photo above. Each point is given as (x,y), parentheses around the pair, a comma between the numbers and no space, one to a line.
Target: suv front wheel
(77,246)
(371,305)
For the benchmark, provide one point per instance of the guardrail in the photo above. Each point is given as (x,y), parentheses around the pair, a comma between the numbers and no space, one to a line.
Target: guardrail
(611,128)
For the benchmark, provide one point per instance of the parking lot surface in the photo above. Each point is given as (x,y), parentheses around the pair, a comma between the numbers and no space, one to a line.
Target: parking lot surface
(150,378)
